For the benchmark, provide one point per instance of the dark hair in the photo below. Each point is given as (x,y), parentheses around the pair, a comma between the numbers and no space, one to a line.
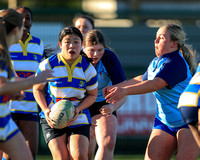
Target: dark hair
(90,19)
(9,19)
(26,8)
(94,37)
(69,30)
(72,30)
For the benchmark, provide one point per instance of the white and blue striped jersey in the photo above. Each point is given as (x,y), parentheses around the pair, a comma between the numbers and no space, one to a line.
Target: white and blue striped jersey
(70,83)
(8,127)
(26,58)
(172,68)
(191,95)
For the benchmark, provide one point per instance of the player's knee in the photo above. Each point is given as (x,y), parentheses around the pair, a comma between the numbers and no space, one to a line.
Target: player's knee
(109,143)
(60,155)
(81,155)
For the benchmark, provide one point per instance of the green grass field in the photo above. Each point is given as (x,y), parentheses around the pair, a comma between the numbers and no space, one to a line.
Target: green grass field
(117,157)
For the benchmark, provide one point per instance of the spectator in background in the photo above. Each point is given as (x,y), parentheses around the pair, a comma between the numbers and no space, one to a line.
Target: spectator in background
(26,56)
(76,80)
(103,115)
(11,139)
(84,23)
(167,76)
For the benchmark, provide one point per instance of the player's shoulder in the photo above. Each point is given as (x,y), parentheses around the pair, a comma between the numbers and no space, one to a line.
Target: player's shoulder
(36,40)
(52,61)
(84,61)
(109,53)
(109,56)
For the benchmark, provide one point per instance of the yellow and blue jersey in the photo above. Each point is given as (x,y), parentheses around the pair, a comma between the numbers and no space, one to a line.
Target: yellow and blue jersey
(7,126)
(26,58)
(190,96)
(172,68)
(189,101)
(71,83)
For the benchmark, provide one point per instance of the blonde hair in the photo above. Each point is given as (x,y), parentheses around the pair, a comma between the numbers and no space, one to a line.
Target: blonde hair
(9,19)
(178,34)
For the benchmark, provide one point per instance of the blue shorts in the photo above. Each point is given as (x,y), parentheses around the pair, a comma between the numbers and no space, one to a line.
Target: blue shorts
(172,131)
(189,114)
(25,117)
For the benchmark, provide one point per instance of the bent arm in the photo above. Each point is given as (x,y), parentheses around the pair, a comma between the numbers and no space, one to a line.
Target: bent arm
(88,100)
(38,92)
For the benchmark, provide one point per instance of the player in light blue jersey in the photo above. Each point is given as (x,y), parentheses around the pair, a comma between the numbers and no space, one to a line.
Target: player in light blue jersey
(166,77)
(26,56)
(189,104)
(103,115)
(76,80)
(11,139)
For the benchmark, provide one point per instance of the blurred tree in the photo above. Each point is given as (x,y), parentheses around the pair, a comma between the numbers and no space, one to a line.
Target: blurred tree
(51,3)
(71,4)
(3,3)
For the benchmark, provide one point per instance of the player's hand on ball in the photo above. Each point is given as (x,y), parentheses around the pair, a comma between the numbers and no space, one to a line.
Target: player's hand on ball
(75,116)
(48,119)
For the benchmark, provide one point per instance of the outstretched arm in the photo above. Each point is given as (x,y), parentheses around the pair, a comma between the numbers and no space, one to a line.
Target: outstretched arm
(132,81)
(117,93)
(12,87)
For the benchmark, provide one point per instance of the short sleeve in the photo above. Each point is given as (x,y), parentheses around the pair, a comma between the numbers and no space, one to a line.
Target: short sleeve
(173,72)
(91,77)
(113,67)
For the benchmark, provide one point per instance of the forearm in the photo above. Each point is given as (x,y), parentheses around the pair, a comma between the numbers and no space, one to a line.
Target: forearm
(88,101)
(145,87)
(12,87)
(132,81)
(40,99)
(21,79)
(118,104)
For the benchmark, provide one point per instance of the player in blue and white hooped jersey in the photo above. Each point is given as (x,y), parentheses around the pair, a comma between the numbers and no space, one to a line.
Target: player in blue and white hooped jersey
(166,77)
(26,56)
(103,115)
(189,104)
(11,139)
(75,80)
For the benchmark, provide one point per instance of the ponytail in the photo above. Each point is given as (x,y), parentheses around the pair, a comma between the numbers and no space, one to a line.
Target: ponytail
(178,34)
(189,56)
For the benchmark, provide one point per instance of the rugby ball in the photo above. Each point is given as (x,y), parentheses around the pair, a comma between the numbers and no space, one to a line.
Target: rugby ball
(61,112)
